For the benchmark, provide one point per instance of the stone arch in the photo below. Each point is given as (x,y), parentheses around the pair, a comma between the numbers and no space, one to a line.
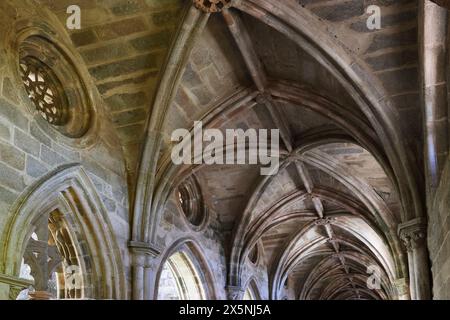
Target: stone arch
(193,251)
(306,31)
(70,191)
(253,284)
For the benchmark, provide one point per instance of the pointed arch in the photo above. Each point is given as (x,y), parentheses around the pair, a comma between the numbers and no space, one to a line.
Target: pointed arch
(70,191)
(194,253)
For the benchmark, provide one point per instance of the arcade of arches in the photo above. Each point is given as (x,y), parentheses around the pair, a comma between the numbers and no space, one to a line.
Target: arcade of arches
(93,207)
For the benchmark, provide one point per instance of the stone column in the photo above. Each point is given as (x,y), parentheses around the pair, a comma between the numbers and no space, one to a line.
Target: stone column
(434,87)
(401,288)
(143,269)
(235,293)
(413,234)
(138,276)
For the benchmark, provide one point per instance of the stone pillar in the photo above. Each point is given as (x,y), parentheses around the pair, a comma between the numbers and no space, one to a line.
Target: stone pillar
(401,288)
(143,268)
(413,234)
(434,87)
(235,293)
(138,276)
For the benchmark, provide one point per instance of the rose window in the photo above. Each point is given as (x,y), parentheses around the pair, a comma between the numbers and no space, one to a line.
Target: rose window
(43,89)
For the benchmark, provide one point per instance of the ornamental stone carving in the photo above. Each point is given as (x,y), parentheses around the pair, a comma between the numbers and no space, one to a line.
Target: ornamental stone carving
(413,233)
(324,221)
(212,6)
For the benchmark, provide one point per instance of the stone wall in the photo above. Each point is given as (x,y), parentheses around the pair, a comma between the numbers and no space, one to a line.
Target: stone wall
(31,150)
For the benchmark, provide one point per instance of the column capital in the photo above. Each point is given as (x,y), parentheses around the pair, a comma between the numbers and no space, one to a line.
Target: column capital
(413,233)
(212,6)
(143,252)
(235,293)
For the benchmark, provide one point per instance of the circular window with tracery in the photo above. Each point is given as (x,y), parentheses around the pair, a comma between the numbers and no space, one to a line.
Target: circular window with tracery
(190,200)
(44,90)
(54,86)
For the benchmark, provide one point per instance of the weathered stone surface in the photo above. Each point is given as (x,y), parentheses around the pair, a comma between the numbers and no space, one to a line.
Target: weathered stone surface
(26,143)
(105,53)
(50,157)
(129,116)
(12,156)
(83,38)
(403,38)
(12,114)
(7,196)
(5,132)
(38,134)
(35,168)
(143,62)
(11,178)
(126,101)
(393,59)
(340,12)
(402,80)
(120,28)
(148,42)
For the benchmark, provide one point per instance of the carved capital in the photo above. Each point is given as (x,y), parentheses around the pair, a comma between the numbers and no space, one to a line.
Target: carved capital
(235,293)
(413,233)
(212,6)
(143,253)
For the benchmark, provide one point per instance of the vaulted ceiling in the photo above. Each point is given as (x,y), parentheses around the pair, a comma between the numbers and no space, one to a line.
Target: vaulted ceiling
(332,210)
(329,217)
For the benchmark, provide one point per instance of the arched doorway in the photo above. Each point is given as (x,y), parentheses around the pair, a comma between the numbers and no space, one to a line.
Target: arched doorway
(184,275)
(180,280)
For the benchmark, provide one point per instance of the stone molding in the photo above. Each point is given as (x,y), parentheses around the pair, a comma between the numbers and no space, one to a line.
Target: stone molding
(235,292)
(143,253)
(212,6)
(15,284)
